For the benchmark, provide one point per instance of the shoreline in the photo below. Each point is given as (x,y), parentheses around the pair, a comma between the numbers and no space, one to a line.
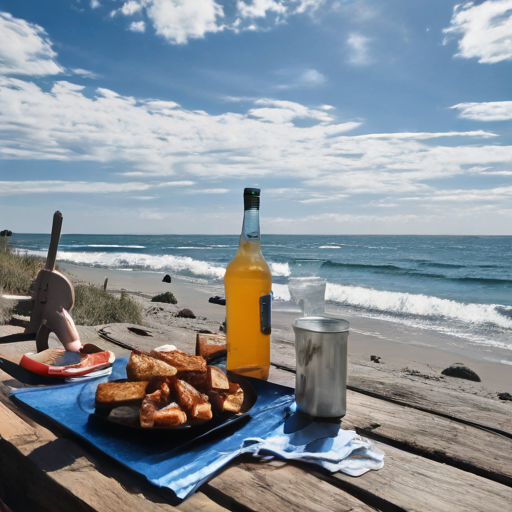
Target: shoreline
(388,340)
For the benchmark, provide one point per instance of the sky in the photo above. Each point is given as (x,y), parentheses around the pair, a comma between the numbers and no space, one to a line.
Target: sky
(352,116)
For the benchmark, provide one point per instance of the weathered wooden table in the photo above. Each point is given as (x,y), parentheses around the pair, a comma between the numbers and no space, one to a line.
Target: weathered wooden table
(445,451)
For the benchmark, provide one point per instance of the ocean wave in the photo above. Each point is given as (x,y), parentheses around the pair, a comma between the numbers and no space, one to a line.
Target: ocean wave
(125,260)
(281,292)
(394,269)
(330,247)
(101,245)
(335,264)
(183,265)
(280,269)
(440,265)
(420,305)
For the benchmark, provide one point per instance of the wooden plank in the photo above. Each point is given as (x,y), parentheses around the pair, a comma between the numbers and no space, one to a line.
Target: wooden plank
(414,483)
(265,487)
(121,335)
(472,449)
(426,396)
(409,481)
(465,407)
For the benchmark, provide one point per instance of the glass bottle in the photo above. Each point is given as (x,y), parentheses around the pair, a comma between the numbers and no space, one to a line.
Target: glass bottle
(248,284)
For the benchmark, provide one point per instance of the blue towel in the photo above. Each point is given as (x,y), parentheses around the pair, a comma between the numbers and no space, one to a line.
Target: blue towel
(182,460)
(178,460)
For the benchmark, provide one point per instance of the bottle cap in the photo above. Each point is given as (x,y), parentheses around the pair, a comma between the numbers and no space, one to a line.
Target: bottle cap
(251,199)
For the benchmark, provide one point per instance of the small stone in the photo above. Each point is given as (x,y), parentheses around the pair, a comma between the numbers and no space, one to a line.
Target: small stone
(185,313)
(505,396)
(461,371)
(375,359)
(217,300)
(166,279)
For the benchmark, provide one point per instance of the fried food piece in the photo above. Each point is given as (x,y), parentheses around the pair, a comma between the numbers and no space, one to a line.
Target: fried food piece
(227,401)
(216,378)
(203,381)
(143,367)
(170,416)
(156,411)
(181,361)
(211,346)
(195,404)
(117,394)
(150,405)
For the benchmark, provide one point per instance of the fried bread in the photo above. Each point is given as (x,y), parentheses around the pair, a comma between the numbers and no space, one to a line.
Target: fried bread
(169,416)
(182,361)
(117,394)
(211,346)
(230,400)
(142,367)
(194,403)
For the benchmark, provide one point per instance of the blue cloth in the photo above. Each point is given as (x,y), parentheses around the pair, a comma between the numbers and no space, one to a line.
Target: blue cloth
(324,443)
(177,460)
(182,460)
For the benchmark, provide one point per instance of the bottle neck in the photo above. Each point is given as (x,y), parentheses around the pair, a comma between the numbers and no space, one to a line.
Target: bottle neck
(251,227)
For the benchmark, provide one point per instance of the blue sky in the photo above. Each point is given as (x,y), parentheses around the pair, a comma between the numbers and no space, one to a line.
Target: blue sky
(355,116)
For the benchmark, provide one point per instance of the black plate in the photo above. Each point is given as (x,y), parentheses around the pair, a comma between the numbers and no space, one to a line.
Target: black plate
(131,420)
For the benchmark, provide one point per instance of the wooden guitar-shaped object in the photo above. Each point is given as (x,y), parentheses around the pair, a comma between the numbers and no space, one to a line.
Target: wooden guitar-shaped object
(54,297)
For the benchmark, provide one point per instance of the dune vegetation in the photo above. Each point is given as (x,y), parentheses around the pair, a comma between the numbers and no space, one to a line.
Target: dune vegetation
(93,305)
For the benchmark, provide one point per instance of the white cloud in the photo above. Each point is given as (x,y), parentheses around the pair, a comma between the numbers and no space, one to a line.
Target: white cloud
(254,9)
(490,111)
(208,191)
(178,21)
(95,4)
(359,53)
(25,49)
(278,111)
(11,188)
(137,26)
(259,8)
(305,78)
(85,73)
(312,77)
(484,30)
(159,138)
(130,8)
(151,215)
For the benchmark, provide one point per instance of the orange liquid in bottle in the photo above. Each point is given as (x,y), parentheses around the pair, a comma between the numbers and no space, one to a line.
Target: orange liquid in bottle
(247,279)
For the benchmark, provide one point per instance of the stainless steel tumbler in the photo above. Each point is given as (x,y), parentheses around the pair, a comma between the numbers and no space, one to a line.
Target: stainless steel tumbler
(321,378)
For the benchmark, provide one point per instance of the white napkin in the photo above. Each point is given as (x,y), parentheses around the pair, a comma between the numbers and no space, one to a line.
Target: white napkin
(321,443)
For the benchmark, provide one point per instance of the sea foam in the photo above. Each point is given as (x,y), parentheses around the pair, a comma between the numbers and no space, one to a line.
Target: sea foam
(419,305)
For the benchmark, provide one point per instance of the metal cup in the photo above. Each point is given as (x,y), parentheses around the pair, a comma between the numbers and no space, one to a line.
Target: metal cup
(321,378)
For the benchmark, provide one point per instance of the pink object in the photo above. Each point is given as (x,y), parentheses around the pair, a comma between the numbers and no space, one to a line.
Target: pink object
(54,296)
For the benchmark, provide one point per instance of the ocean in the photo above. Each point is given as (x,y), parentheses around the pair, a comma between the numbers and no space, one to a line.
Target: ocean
(456,285)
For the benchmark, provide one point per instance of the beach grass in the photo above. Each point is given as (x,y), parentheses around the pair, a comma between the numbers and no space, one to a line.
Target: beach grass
(167,298)
(5,312)
(17,270)
(95,306)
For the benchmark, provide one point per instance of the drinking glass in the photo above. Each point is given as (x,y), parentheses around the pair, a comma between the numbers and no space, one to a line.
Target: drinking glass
(309,294)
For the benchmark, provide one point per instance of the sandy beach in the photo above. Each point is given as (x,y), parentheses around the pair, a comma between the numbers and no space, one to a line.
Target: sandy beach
(399,347)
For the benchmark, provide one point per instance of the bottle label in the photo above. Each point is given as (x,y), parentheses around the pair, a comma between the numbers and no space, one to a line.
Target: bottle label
(266,313)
